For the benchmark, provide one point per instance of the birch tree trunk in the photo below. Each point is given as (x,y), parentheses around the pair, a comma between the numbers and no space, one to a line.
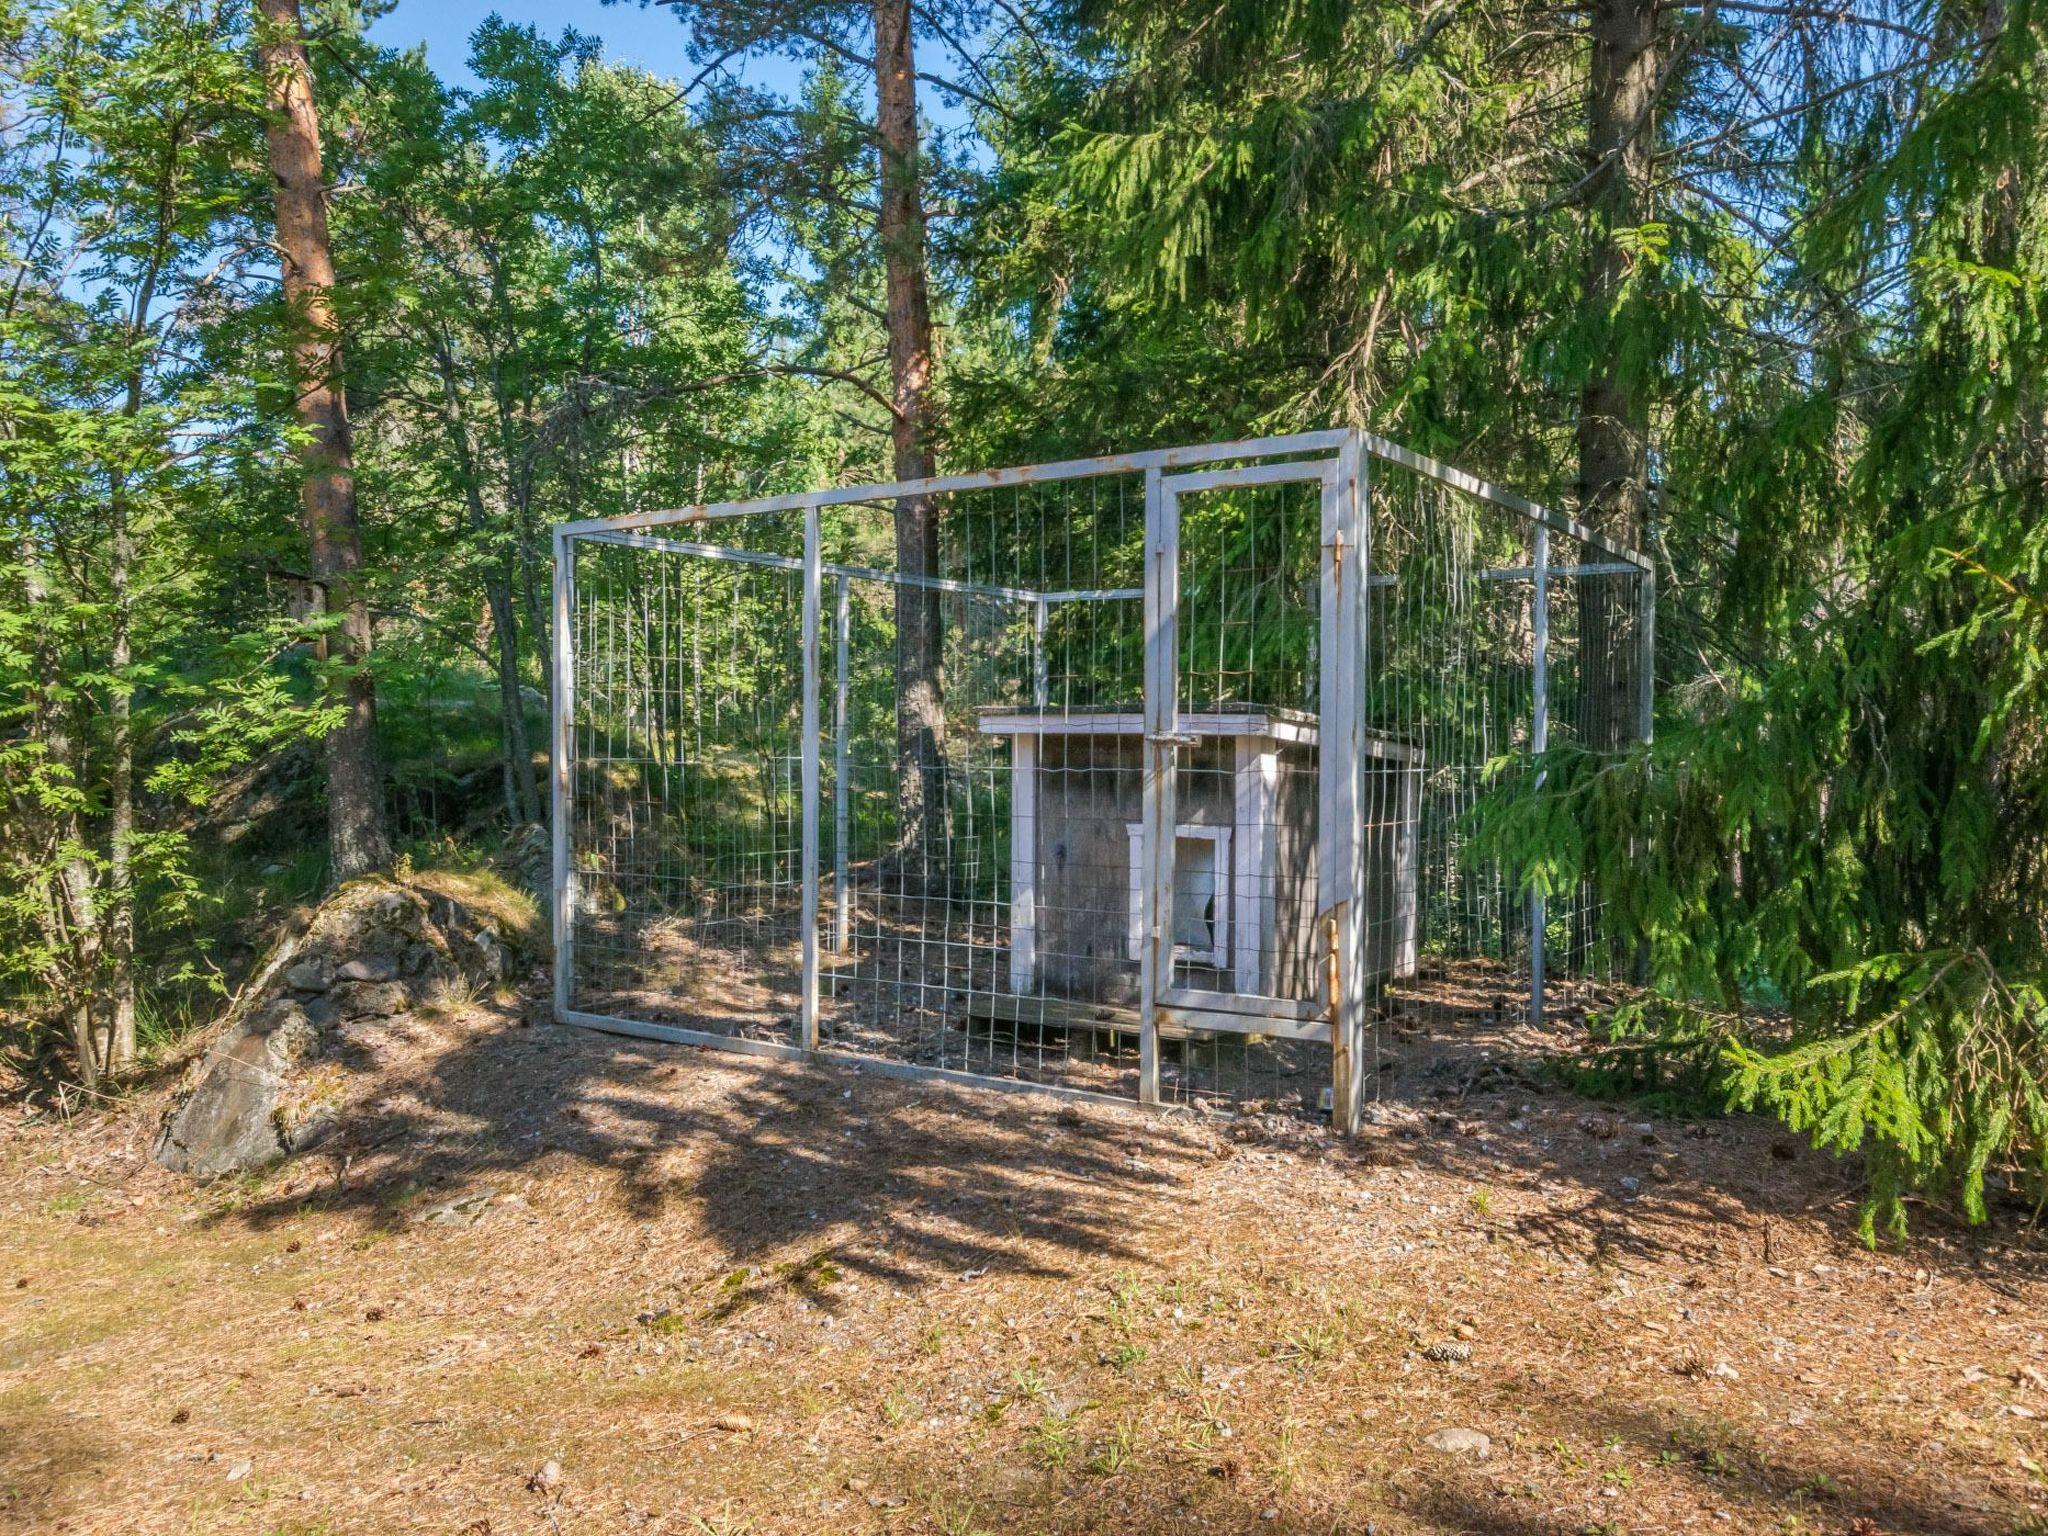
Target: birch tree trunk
(119,924)
(69,917)
(357,839)
(920,701)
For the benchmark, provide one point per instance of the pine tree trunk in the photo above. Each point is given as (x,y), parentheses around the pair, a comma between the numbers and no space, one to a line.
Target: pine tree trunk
(357,839)
(1614,464)
(920,697)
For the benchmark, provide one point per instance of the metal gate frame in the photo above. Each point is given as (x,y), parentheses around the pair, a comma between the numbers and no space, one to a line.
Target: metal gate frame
(1337,460)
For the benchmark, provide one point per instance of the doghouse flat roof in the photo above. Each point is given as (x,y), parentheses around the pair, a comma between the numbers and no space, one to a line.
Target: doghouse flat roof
(1293,726)
(1281,724)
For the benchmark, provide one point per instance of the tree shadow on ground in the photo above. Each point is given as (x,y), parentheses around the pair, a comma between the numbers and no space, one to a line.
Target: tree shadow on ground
(1723,1469)
(795,1174)
(1481,1095)
(1703,1466)
(912,1181)
(915,1179)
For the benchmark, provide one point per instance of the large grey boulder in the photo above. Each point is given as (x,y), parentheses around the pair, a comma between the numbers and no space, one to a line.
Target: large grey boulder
(235,1116)
(265,1085)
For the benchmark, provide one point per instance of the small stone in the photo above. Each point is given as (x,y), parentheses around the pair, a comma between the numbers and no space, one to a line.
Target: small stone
(1630,1184)
(374,1000)
(238,1471)
(463,1211)
(547,1479)
(368,968)
(307,976)
(1461,1442)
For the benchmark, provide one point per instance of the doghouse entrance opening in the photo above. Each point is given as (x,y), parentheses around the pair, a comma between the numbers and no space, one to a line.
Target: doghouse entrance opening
(1201,920)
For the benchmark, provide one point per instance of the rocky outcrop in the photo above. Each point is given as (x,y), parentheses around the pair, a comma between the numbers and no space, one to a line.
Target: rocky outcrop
(270,1080)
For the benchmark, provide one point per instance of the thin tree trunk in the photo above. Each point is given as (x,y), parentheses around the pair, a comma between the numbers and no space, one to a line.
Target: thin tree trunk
(118,929)
(357,839)
(920,696)
(522,794)
(1614,437)
(70,917)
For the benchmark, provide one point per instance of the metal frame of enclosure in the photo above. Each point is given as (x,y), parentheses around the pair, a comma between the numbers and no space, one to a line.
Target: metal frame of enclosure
(1189,805)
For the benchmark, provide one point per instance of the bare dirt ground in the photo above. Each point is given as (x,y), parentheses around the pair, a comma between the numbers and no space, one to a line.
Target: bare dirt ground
(558,1282)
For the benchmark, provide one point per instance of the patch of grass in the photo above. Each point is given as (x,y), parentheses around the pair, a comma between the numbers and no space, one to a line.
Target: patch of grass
(1286,1464)
(1053,1440)
(951,1519)
(1125,1356)
(1309,1345)
(1820,1486)
(512,914)
(1117,1452)
(897,1405)
(1715,1445)
(724,1523)
(392,1199)
(1569,1461)
(812,1275)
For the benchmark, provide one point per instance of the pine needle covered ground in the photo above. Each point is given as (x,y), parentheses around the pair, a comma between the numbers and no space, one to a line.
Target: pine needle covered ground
(551,1281)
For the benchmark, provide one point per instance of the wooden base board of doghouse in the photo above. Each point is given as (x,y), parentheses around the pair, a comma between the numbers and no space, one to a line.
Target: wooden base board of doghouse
(1106,1019)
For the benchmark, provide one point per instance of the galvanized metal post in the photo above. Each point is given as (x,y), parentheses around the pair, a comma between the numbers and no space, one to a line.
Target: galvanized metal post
(561,799)
(1646,663)
(807,1022)
(842,635)
(1539,743)
(1041,675)
(1340,840)
(1155,857)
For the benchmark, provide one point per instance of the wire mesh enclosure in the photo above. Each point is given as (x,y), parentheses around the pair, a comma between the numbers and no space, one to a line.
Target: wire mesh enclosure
(1153,776)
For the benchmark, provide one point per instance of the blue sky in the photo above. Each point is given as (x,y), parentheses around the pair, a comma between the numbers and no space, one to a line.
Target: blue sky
(648,36)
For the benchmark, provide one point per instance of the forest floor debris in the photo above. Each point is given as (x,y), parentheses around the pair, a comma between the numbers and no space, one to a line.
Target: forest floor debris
(701,1293)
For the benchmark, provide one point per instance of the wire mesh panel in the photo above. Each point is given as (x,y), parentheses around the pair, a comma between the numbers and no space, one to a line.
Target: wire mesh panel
(685,831)
(1248,953)
(1028,775)
(980,884)
(1483,659)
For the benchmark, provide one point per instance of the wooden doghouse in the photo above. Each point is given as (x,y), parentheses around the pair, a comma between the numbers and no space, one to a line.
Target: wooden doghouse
(1244,911)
